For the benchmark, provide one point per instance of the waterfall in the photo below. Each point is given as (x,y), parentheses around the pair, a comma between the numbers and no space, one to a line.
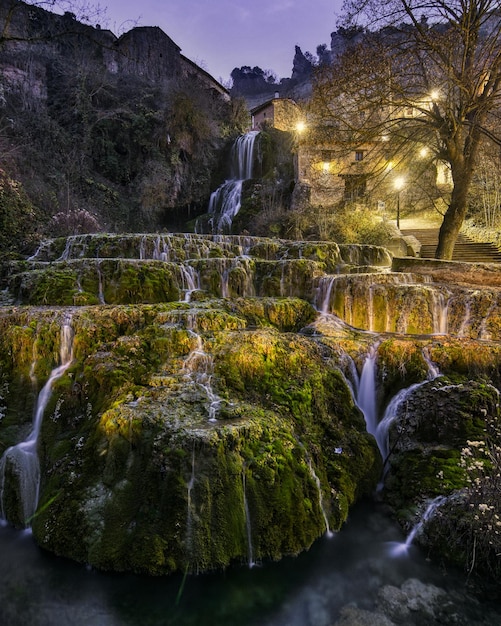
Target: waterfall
(390,415)
(466,319)
(190,280)
(248,528)
(365,398)
(328,531)
(323,295)
(439,312)
(225,202)
(366,392)
(100,284)
(21,459)
(198,368)
(402,548)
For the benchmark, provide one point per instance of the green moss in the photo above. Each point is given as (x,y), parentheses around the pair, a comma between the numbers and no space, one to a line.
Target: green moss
(416,474)
(51,285)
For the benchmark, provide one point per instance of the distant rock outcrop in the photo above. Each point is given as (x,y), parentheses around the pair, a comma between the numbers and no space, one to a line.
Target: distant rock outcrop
(124,127)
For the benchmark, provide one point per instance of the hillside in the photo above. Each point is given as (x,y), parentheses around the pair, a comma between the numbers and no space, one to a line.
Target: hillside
(115,133)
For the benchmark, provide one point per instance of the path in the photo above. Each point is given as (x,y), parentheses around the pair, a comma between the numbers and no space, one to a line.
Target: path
(465,250)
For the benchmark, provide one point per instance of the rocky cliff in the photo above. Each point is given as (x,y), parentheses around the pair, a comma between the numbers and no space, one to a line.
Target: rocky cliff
(124,130)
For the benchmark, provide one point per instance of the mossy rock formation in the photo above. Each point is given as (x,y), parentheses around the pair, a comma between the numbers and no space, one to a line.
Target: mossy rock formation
(209,412)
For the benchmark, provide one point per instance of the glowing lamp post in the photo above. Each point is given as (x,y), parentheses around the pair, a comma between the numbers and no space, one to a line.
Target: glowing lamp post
(300,126)
(399,185)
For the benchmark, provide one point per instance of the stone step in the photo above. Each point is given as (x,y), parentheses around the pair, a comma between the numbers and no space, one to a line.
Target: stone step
(465,249)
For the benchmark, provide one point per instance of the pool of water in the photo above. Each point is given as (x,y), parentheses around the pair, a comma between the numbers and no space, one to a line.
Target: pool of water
(346,574)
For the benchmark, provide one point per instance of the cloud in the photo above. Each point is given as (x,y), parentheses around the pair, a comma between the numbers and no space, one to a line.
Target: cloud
(279,7)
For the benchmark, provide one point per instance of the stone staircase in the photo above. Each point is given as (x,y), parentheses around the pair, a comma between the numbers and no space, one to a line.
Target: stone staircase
(465,250)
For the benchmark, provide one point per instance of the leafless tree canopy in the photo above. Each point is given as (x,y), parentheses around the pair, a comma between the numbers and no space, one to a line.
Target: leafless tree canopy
(440,59)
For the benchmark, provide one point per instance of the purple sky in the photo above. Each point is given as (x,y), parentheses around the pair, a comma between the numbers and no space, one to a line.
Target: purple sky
(222,34)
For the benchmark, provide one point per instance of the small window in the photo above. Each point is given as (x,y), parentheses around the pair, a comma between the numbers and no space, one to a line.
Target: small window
(359,155)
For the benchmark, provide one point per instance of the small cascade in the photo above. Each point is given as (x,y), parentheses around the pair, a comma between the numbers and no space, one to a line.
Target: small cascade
(225,202)
(466,321)
(248,528)
(366,400)
(190,280)
(323,295)
(366,392)
(392,410)
(350,374)
(433,371)
(402,548)
(390,415)
(439,312)
(370,307)
(328,531)
(21,459)
(198,367)
(100,284)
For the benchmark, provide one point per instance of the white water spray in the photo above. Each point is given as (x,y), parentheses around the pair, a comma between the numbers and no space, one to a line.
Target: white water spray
(328,531)
(366,400)
(198,367)
(431,509)
(366,392)
(21,460)
(225,202)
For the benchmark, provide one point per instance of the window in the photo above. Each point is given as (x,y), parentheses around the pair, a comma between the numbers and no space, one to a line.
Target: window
(359,155)
(355,187)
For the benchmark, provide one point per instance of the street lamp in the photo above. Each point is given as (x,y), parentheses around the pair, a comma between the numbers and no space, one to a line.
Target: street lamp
(398,183)
(300,126)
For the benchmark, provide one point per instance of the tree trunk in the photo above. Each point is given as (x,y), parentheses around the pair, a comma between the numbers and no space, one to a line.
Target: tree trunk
(454,217)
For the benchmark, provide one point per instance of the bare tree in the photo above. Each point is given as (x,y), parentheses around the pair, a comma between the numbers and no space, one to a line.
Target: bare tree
(426,75)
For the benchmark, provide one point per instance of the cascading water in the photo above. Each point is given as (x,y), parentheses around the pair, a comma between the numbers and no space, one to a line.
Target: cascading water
(225,202)
(365,398)
(100,284)
(248,527)
(390,415)
(21,460)
(198,367)
(328,531)
(402,548)
(366,392)
(190,280)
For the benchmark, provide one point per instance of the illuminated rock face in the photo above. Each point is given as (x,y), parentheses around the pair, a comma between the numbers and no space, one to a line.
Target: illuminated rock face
(196,425)
(210,414)
(407,303)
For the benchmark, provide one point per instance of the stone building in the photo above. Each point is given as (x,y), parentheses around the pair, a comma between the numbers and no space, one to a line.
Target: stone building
(281,113)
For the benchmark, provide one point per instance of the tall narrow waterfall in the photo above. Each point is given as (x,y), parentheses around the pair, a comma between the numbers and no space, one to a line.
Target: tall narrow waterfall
(365,398)
(20,462)
(225,202)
